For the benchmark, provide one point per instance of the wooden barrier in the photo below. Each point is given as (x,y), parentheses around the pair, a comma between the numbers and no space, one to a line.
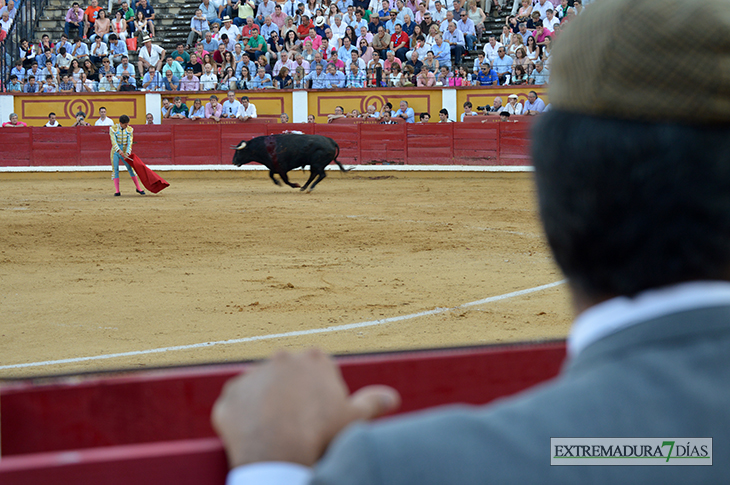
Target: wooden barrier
(209,143)
(33,108)
(369,121)
(204,121)
(154,427)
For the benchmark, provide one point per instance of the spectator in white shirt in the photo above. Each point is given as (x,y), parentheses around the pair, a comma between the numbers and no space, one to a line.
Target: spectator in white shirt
(49,70)
(338,28)
(103,120)
(513,107)
(247,110)
(108,83)
(99,50)
(438,14)
(550,20)
(542,7)
(85,85)
(6,22)
(10,8)
(230,106)
(208,80)
(491,48)
(150,55)
(233,32)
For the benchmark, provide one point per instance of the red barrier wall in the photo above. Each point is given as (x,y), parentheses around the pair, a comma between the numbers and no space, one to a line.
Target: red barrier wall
(154,427)
(209,144)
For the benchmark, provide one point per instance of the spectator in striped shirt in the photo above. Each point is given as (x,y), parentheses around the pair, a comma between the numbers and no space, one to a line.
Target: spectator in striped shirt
(356,78)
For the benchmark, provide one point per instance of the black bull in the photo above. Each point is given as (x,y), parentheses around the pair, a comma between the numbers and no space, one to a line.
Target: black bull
(285,152)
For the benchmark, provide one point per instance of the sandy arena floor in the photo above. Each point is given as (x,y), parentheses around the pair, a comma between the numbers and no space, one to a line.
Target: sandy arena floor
(220,256)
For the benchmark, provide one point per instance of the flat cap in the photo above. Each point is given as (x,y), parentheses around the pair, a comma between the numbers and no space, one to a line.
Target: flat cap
(653,60)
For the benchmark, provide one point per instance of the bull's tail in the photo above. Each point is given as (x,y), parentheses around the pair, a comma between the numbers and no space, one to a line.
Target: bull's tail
(342,169)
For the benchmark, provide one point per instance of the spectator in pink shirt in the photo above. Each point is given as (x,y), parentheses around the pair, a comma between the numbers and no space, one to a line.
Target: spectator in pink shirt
(316,39)
(213,109)
(425,79)
(364,34)
(278,17)
(338,63)
(387,65)
(74,20)
(190,81)
(540,34)
(300,62)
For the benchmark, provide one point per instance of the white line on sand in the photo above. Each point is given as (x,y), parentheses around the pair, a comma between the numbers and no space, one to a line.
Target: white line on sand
(356,168)
(337,328)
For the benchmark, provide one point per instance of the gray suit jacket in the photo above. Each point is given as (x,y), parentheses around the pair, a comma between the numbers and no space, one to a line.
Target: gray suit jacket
(667,377)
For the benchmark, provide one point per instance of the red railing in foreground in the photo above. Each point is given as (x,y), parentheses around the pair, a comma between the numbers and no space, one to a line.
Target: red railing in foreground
(154,427)
(490,143)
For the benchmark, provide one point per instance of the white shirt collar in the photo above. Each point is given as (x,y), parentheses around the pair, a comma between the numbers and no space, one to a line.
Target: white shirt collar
(618,313)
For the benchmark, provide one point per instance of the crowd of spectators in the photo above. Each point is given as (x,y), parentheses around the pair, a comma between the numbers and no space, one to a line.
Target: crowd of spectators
(244,45)
(244,110)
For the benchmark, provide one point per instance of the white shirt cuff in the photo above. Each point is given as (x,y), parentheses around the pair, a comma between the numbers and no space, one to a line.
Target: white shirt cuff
(270,473)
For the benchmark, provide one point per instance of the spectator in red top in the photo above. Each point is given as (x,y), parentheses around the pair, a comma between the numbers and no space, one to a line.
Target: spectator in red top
(399,43)
(90,16)
(303,29)
(219,55)
(246,29)
(14,123)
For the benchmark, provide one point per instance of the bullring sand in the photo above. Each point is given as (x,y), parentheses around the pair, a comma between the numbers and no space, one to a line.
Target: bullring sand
(228,255)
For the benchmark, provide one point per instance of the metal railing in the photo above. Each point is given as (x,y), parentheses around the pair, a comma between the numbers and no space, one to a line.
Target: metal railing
(24,26)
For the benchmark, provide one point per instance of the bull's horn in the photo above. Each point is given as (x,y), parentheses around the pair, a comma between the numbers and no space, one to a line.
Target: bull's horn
(241,146)
(234,147)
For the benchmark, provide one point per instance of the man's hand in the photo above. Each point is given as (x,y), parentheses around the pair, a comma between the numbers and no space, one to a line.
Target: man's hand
(290,408)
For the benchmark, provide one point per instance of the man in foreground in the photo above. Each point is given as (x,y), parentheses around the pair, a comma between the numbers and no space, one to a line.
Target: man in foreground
(638,218)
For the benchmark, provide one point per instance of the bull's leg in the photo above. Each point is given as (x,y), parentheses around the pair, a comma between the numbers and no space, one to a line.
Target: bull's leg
(321,177)
(312,174)
(271,174)
(285,178)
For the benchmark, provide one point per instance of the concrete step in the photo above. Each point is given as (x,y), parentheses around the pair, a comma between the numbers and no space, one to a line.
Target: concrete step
(51,25)
(55,12)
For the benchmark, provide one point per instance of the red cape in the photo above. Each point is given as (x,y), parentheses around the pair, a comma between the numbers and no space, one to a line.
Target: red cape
(151,181)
